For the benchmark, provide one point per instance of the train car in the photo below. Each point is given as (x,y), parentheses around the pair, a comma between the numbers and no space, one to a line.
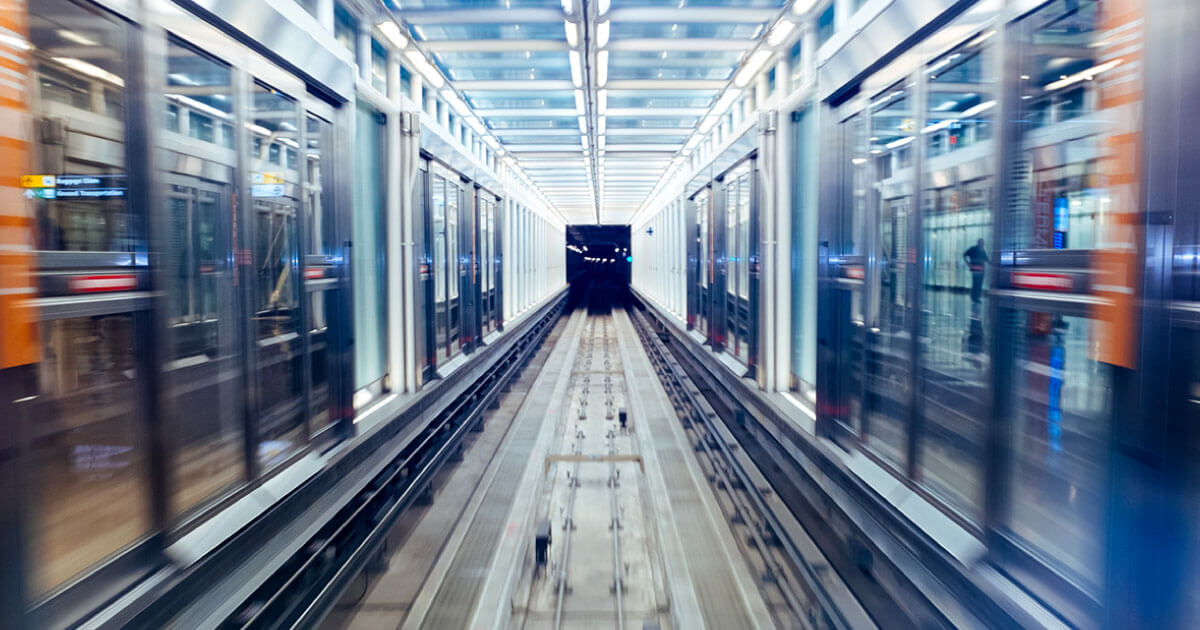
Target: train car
(976,275)
(214,210)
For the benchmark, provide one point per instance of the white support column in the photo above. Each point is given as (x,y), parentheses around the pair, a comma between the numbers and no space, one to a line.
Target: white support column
(415,85)
(781,275)
(393,78)
(394,226)
(783,76)
(325,14)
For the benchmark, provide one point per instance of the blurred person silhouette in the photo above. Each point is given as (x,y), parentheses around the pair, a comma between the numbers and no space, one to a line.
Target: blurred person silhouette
(976,258)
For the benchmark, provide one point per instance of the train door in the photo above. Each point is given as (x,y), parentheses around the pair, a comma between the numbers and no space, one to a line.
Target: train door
(468,259)
(87,436)
(704,265)
(441,292)
(453,268)
(427,278)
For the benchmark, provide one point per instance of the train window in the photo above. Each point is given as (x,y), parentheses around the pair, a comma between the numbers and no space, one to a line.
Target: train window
(80,111)
(86,449)
(1061,390)
(1062,158)
(379,65)
(369,254)
(320,211)
(276,298)
(203,378)
(956,236)
(440,275)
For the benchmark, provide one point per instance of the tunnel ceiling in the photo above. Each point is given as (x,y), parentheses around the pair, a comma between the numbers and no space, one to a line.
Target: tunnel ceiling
(592,98)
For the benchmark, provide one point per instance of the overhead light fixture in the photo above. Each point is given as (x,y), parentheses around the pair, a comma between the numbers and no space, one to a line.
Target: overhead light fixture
(751,67)
(572,30)
(602,102)
(1085,75)
(91,70)
(582,124)
(576,69)
(424,68)
(568,6)
(475,125)
(491,142)
(584,141)
(456,103)
(76,38)
(782,29)
(602,125)
(800,7)
(601,68)
(602,7)
(602,32)
(600,142)
(392,32)
(707,124)
(580,108)
(728,98)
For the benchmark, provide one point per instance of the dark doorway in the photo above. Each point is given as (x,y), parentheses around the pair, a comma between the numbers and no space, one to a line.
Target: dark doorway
(598,259)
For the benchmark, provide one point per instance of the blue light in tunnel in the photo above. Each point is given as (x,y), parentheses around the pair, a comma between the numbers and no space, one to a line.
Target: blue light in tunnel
(629,259)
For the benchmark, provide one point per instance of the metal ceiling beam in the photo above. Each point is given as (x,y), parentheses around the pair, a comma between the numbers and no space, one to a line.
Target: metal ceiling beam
(494,45)
(655,131)
(682,44)
(663,84)
(536,132)
(531,112)
(480,16)
(656,112)
(694,15)
(533,85)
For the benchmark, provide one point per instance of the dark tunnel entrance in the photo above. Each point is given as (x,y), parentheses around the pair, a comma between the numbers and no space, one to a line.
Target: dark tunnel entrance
(598,265)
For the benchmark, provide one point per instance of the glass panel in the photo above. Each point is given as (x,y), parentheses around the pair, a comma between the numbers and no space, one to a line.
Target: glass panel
(379,64)
(369,251)
(804,255)
(731,265)
(86,448)
(825,24)
(318,205)
(705,247)
(86,456)
(888,355)
(203,378)
(440,274)
(1061,149)
(80,103)
(345,28)
(1063,399)
(276,318)
(956,225)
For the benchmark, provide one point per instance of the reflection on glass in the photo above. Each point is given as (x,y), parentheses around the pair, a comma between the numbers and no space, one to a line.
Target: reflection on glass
(85,455)
(203,377)
(91,495)
(705,247)
(957,228)
(440,272)
(888,349)
(276,319)
(318,206)
(1064,400)
(454,268)
(1062,152)
(80,95)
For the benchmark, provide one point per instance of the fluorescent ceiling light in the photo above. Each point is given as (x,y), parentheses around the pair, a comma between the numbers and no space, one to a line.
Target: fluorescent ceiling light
(728,98)
(426,69)
(751,67)
(601,68)
(476,126)
(601,125)
(708,123)
(602,7)
(582,124)
(800,7)
(456,103)
(91,70)
(576,69)
(1086,75)
(579,104)
(584,141)
(568,6)
(491,142)
(782,29)
(392,32)
(572,31)
(602,102)
(602,30)
(74,37)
